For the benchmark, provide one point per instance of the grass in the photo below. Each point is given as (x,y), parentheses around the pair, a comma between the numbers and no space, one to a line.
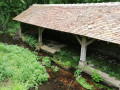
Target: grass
(20,65)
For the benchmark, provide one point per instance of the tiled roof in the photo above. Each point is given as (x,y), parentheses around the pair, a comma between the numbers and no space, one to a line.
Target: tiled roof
(99,21)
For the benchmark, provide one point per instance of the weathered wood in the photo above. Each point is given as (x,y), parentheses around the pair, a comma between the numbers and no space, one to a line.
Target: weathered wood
(91,41)
(40,36)
(20,33)
(84,45)
(83,49)
(79,40)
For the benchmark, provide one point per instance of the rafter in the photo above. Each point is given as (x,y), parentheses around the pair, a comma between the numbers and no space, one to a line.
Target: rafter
(90,41)
(79,40)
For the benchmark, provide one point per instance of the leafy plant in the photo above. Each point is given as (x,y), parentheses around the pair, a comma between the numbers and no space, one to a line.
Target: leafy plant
(105,69)
(82,81)
(21,65)
(106,66)
(100,86)
(96,76)
(31,40)
(46,61)
(14,86)
(55,69)
(112,74)
(12,27)
(77,73)
(59,62)
(63,53)
(8,10)
(117,76)
(68,64)
(77,58)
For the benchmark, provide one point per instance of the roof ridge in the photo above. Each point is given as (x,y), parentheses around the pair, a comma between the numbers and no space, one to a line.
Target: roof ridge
(82,4)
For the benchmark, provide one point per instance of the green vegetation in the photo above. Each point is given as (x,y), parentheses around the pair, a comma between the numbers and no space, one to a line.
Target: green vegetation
(12,27)
(106,66)
(20,66)
(77,73)
(8,10)
(31,40)
(61,63)
(46,61)
(67,57)
(14,86)
(82,81)
(96,76)
(55,69)
(101,87)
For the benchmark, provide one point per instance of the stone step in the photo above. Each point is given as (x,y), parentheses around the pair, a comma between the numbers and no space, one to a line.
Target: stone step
(48,49)
(52,47)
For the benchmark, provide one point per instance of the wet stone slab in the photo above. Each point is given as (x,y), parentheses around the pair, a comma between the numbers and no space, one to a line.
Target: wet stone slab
(52,47)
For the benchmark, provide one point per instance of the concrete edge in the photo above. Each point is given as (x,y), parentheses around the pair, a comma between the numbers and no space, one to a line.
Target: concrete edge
(111,81)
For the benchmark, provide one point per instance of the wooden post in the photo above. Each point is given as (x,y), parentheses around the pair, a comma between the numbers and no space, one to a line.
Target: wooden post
(84,43)
(20,33)
(83,51)
(40,36)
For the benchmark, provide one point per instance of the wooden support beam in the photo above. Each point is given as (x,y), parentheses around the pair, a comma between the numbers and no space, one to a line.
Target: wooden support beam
(20,33)
(40,36)
(91,41)
(83,51)
(79,40)
(84,45)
